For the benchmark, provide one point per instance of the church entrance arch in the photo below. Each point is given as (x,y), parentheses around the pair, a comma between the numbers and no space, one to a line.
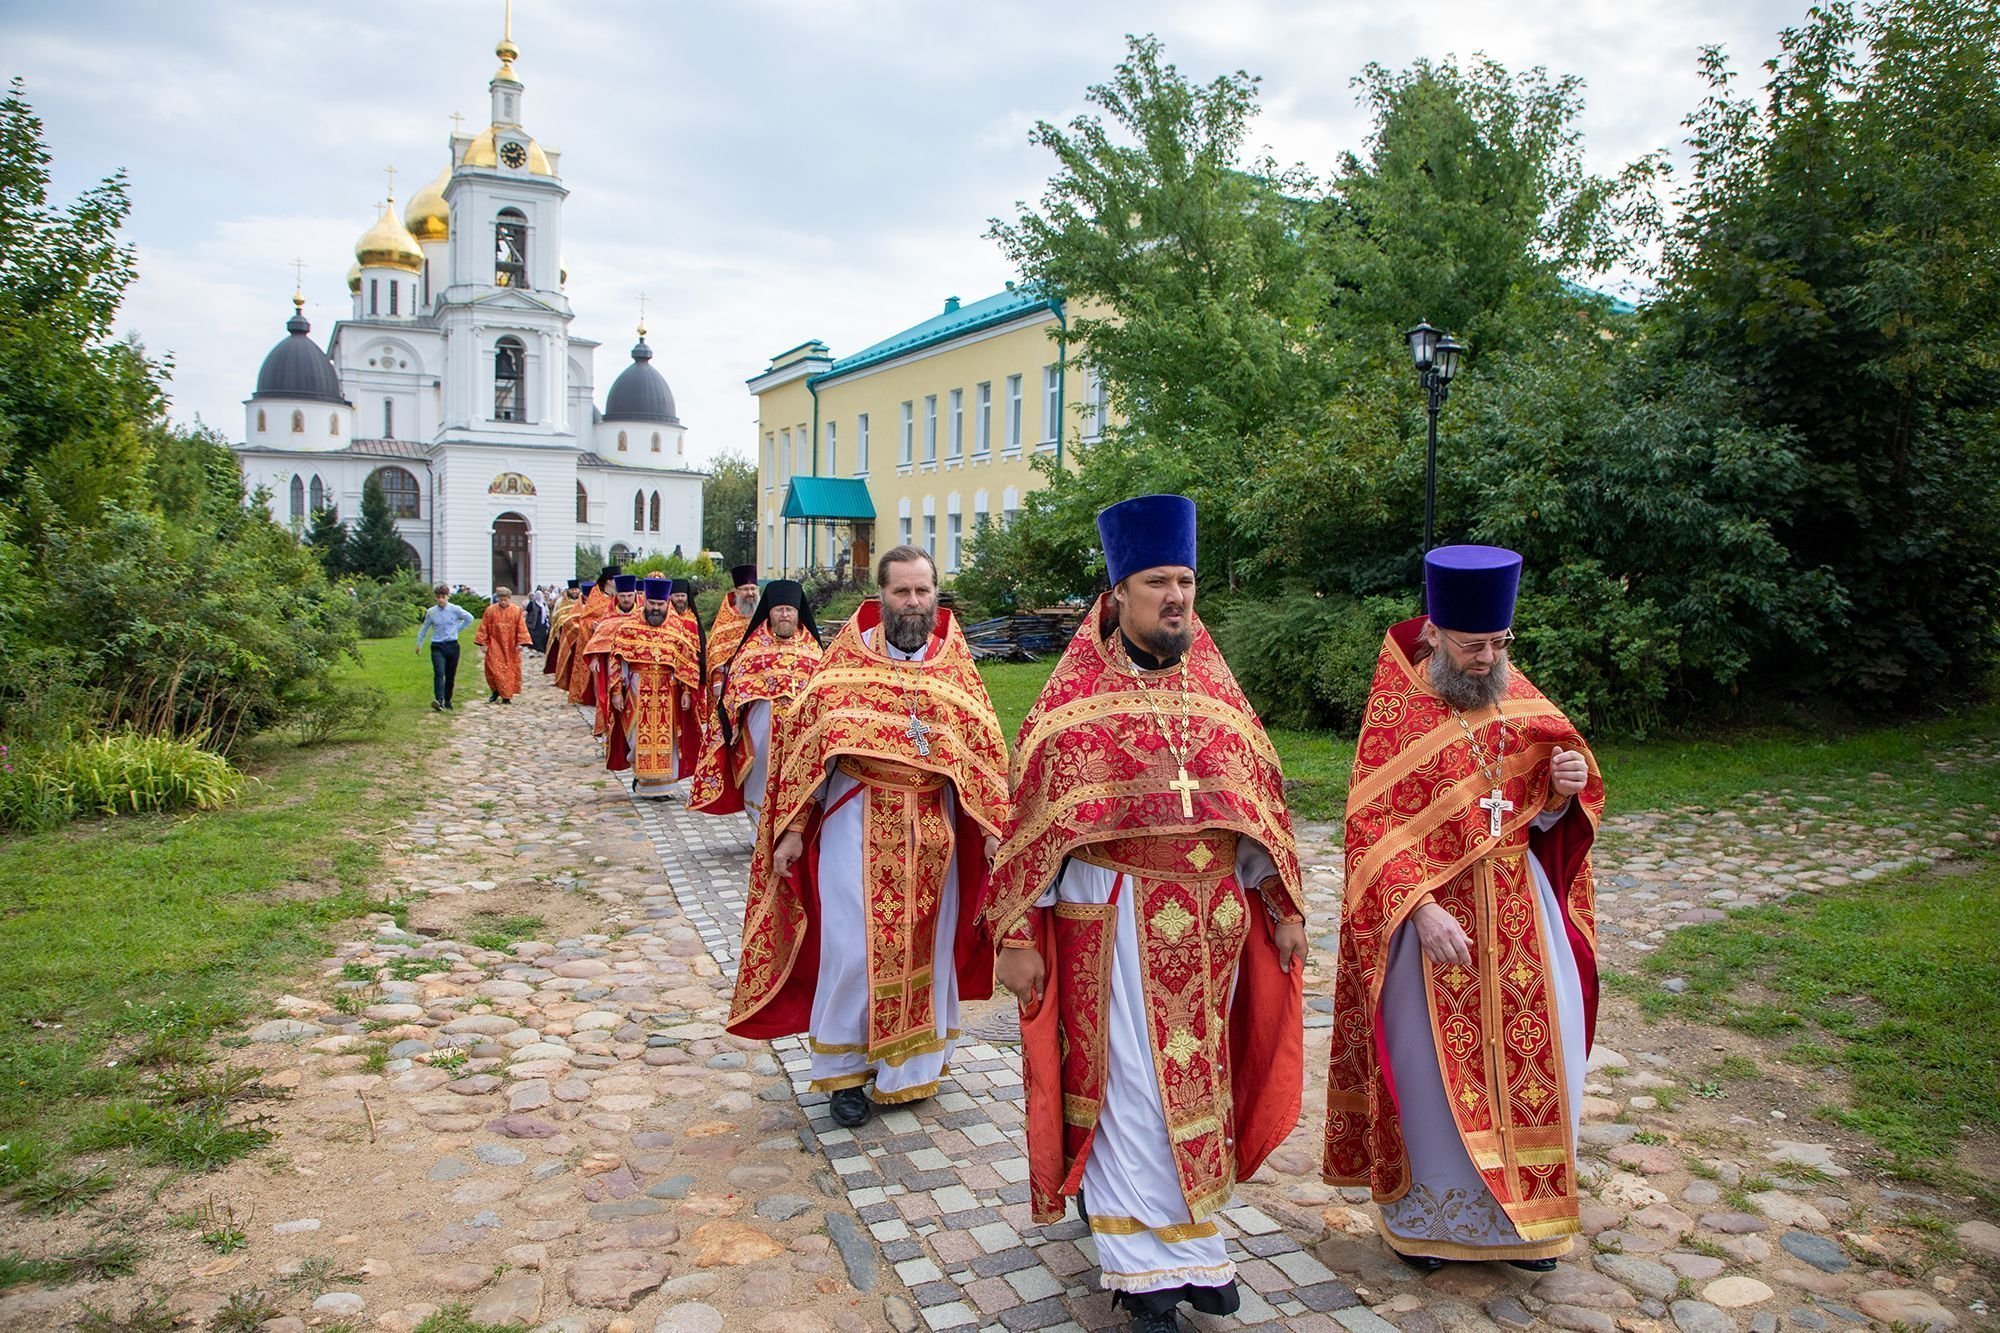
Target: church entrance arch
(510,552)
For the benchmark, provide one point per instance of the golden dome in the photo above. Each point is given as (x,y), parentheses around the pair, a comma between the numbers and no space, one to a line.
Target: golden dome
(482,153)
(428,216)
(388,244)
(354,277)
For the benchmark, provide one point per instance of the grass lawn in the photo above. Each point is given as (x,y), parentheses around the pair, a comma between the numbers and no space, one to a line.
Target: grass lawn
(1895,982)
(124,942)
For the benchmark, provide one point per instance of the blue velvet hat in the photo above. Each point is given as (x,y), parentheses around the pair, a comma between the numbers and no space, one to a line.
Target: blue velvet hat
(658,588)
(1146,531)
(625,583)
(1471,589)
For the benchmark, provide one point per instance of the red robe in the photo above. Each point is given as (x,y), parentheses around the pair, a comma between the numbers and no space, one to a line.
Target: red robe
(652,723)
(502,632)
(1093,779)
(767,668)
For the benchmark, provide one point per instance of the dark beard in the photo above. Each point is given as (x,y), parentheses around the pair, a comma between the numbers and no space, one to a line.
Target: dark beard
(656,616)
(1167,646)
(908,631)
(1464,692)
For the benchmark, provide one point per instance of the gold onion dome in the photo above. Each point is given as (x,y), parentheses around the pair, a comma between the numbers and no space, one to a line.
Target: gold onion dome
(354,277)
(428,216)
(388,244)
(482,152)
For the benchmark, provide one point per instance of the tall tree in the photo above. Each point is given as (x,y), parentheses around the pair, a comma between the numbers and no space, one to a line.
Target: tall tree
(329,539)
(375,549)
(729,510)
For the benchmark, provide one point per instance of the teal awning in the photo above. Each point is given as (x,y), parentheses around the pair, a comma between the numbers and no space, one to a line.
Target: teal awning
(840,499)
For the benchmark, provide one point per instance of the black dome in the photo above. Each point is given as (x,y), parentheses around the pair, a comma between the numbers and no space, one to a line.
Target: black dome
(640,393)
(296,368)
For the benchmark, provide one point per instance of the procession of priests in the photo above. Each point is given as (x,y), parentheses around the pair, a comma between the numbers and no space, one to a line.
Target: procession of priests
(1127,873)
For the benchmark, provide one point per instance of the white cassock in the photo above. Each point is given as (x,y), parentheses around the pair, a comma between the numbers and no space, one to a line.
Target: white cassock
(757,726)
(654,787)
(1130,1172)
(1449,1205)
(840,1000)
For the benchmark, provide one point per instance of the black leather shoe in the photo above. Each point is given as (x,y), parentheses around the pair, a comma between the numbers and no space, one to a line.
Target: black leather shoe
(851,1108)
(1423,1263)
(1164,1322)
(1534,1265)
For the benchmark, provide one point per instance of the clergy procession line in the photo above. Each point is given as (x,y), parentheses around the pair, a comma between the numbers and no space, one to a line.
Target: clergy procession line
(1132,880)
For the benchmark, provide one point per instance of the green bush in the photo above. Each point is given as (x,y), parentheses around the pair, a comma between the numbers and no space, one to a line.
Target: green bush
(1588,644)
(471,601)
(1348,653)
(120,774)
(383,611)
(338,711)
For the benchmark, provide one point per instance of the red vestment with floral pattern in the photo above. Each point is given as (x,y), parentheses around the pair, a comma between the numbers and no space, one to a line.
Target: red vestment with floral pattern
(766,668)
(658,706)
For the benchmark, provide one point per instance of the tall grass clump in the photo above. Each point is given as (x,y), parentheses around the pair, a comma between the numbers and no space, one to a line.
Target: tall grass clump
(119,774)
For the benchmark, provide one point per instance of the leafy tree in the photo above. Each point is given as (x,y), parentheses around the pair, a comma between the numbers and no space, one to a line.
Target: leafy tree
(589,560)
(375,549)
(328,539)
(729,510)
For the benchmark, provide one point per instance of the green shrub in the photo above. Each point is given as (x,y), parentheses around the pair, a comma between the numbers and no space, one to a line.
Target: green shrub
(1305,659)
(121,774)
(471,601)
(1348,653)
(385,611)
(339,710)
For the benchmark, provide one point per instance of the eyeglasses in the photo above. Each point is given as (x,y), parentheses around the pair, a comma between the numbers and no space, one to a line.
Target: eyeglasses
(1499,643)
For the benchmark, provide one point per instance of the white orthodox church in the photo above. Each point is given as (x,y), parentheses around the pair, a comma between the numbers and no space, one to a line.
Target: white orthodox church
(457,384)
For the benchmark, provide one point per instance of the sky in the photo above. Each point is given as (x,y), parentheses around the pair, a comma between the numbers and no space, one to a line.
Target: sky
(763,172)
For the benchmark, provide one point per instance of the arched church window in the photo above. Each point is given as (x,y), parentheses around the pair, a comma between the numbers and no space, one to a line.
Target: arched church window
(388,418)
(260,420)
(582,504)
(510,249)
(298,498)
(508,366)
(298,423)
(680,446)
(621,441)
(374,296)
(399,488)
(639,512)
(656,511)
(394,288)
(656,442)
(318,495)
(333,423)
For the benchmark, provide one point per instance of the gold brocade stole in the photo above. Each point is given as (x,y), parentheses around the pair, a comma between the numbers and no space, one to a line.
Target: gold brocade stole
(1499,1047)
(653,719)
(1191,924)
(907,843)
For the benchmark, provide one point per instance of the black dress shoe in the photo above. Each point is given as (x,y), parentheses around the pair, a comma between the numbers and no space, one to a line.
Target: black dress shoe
(1163,1322)
(1534,1265)
(1423,1263)
(851,1108)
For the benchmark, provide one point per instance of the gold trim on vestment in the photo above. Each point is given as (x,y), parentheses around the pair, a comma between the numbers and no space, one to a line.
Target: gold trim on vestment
(839,1082)
(1093,707)
(818,1047)
(916,1094)
(1550,1247)
(1194,1129)
(1173,1234)
(1080,1111)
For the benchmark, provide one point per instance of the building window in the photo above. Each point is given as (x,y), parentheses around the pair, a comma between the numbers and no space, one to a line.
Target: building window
(982,427)
(260,420)
(621,441)
(784,453)
(930,428)
(680,446)
(954,541)
(656,442)
(509,404)
(388,418)
(510,249)
(582,504)
(930,536)
(832,466)
(802,460)
(861,445)
(399,488)
(1010,505)
(299,503)
(979,514)
(903,521)
(318,495)
(621,554)
(639,512)
(909,435)
(374,296)
(656,511)
(958,423)
(770,460)
(1013,411)
(333,423)
(298,423)
(1051,402)
(1100,405)
(394,287)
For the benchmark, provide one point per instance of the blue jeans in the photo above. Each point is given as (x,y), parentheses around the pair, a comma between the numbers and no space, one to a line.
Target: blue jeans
(444,670)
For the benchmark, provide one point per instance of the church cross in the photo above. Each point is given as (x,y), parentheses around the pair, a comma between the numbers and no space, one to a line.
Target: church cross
(1187,787)
(642,314)
(299,273)
(919,733)
(392,181)
(1495,806)
(456,128)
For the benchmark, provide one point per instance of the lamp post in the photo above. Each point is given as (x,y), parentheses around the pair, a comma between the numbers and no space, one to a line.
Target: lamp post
(1436,357)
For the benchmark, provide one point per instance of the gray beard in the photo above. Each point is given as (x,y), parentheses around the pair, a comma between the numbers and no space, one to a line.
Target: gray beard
(1464,692)
(908,631)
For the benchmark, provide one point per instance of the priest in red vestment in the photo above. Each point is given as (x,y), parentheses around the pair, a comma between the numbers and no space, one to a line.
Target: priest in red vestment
(1148,904)
(567,606)
(772,662)
(653,694)
(590,678)
(1466,989)
(885,806)
(732,622)
(501,634)
(598,602)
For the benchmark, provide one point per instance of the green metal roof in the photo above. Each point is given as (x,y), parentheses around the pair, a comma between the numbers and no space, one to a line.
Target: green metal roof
(844,498)
(955,322)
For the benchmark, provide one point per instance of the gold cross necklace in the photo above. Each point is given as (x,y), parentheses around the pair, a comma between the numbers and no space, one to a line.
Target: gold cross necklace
(1494,803)
(1182,783)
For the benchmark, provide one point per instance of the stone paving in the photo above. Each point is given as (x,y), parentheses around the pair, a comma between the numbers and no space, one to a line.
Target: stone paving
(555,1131)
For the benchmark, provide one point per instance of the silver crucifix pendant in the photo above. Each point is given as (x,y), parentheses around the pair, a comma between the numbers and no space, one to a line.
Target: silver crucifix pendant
(919,733)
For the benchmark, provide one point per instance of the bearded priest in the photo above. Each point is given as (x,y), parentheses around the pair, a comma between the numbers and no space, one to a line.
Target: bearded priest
(773,660)
(1148,904)
(887,798)
(1466,990)
(590,690)
(732,623)
(653,689)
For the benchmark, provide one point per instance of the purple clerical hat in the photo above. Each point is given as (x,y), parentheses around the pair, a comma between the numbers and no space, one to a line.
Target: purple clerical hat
(1471,589)
(1145,532)
(658,589)
(625,583)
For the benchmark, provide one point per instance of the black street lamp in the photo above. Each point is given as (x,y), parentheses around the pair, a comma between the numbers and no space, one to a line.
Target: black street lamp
(1436,356)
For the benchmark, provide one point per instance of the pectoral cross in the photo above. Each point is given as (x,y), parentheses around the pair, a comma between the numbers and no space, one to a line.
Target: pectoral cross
(919,733)
(1495,806)
(1187,787)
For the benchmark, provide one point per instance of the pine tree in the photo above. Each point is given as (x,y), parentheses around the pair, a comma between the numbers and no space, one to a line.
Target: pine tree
(375,549)
(328,540)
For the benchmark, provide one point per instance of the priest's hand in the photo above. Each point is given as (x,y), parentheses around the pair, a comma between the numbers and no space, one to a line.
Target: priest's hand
(787,853)
(1022,972)
(1443,939)
(1290,937)
(992,850)
(1568,772)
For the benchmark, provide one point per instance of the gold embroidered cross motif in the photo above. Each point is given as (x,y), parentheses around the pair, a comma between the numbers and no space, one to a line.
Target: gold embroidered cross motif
(1171,922)
(1227,913)
(1455,976)
(1522,974)
(1181,1046)
(1200,856)
(1534,1094)
(1469,1097)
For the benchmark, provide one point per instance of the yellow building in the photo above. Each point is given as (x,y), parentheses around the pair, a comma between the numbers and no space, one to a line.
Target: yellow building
(921,438)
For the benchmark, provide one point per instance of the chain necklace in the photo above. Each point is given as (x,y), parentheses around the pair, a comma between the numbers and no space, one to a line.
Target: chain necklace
(1493,768)
(918,731)
(1180,750)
